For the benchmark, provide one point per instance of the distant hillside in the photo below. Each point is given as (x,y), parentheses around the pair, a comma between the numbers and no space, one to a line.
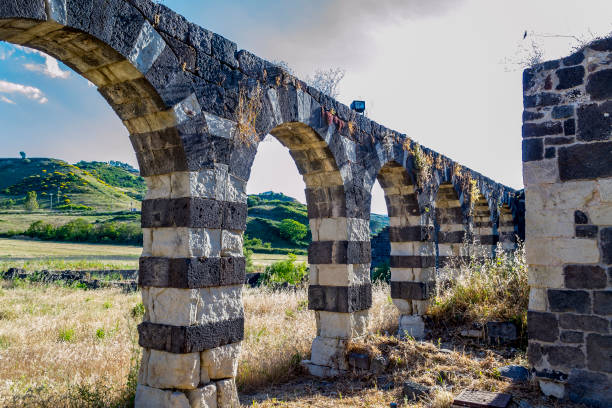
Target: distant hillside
(118,176)
(75,185)
(267,210)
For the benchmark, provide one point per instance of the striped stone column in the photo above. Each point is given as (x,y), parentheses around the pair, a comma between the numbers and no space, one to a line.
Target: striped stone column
(505,229)
(412,253)
(340,291)
(191,274)
(450,223)
(483,228)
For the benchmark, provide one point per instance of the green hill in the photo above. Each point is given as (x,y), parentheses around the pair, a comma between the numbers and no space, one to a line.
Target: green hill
(102,189)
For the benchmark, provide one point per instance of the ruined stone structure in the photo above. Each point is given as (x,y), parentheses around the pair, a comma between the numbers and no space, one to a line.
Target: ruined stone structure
(567,170)
(196,108)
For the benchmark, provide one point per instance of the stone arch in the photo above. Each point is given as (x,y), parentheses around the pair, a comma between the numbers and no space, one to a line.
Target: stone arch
(412,255)
(113,45)
(339,256)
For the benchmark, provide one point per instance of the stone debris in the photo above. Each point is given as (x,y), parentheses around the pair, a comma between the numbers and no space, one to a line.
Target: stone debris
(481,399)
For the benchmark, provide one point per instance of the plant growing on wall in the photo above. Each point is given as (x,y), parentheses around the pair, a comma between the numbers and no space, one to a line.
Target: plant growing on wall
(249,108)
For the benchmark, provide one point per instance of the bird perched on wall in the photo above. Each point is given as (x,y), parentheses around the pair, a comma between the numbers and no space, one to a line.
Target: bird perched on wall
(525,35)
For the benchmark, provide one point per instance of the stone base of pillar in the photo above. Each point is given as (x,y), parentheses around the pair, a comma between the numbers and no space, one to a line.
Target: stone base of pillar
(321,371)
(413,326)
(552,388)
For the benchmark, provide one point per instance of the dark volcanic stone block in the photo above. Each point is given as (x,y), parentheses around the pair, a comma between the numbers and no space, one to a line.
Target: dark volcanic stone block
(584,276)
(569,127)
(542,326)
(571,337)
(599,352)
(550,153)
(585,161)
(32,9)
(605,241)
(562,112)
(570,77)
(602,302)
(559,140)
(339,252)
(501,332)
(533,150)
(577,301)
(190,339)
(595,122)
(189,273)
(340,299)
(564,357)
(574,59)
(407,234)
(412,261)
(580,217)
(411,290)
(541,129)
(527,116)
(194,212)
(541,99)
(586,323)
(592,389)
(599,85)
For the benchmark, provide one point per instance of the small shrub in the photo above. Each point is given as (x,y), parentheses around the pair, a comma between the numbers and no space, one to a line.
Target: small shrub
(100,334)
(66,335)
(107,305)
(31,201)
(285,272)
(138,310)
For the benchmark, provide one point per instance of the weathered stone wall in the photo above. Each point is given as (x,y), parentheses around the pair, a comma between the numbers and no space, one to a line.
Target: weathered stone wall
(196,108)
(567,155)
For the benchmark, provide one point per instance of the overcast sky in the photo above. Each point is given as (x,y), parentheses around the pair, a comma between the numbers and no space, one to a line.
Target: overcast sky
(440,71)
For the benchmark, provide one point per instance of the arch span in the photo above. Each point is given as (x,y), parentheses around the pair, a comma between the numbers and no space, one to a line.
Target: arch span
(179,89)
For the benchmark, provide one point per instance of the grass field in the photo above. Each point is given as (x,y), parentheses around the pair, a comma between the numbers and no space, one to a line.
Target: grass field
(62,347)
(37,255)
(21,221)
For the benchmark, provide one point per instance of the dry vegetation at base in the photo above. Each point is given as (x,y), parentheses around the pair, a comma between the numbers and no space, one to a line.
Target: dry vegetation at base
(483,288)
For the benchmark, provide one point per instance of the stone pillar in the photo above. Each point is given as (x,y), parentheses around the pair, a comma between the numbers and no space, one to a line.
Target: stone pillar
(483,227)
(191,274)
(505,229)
(567,170)
(340,291)
(412,253)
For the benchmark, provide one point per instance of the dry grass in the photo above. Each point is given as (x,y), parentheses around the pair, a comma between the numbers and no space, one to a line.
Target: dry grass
(483,289)
(53,352)
(51,355)
(279,326)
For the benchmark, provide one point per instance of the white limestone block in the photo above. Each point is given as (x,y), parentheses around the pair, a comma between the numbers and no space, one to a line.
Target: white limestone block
(220,362)
(342,325)
(403,305)
(148,397)
(203,397)
(402,275)
(545,276)
(186,307)
(169,370)
(186,242)
(412,325)
(403,248)
(227,394)
(358,229)
(231,243)
(549,223)
(158,187)
(540,172)
(329,352)
(551,388)
(558,251)
(538,300)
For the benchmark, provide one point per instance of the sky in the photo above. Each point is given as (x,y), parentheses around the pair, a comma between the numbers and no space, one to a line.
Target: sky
(445,72)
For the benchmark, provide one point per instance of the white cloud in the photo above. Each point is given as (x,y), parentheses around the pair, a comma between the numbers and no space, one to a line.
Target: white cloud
(6,100)
(29,92)
(50,68)
(6,54)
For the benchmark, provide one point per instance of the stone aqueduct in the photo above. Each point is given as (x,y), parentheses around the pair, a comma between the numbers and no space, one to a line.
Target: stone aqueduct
(182,92)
